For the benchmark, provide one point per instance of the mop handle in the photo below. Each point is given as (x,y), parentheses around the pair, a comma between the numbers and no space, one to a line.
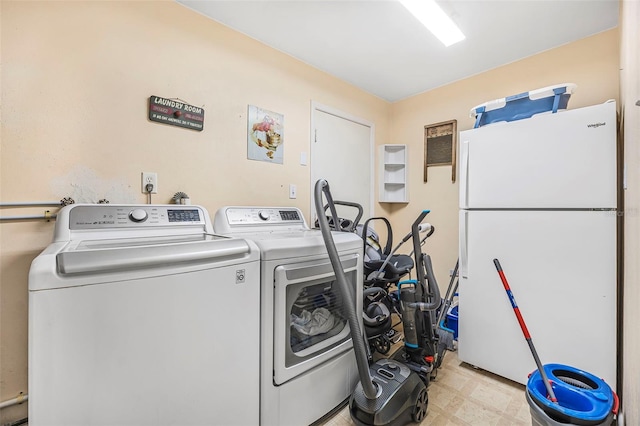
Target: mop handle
(525,331)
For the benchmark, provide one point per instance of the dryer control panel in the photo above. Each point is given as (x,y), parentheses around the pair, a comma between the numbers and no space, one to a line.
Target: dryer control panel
(239,219)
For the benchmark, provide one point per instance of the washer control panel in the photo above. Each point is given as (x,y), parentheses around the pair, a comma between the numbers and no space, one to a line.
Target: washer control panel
(102,216)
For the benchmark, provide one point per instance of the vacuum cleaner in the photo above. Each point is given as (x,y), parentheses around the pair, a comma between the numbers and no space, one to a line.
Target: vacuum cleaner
(419,301)
(389,392)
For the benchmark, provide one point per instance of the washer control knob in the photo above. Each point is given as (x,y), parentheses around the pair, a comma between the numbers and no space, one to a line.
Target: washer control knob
(138,215)
(263,215)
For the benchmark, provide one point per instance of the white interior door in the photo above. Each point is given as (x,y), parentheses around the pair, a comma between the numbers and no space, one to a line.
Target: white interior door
(342,153)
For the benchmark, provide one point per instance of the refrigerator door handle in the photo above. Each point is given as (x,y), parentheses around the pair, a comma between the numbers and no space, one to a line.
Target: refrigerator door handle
(464,224)
(464,175)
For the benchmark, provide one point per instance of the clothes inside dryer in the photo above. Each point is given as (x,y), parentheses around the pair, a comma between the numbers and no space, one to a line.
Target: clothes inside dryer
(316,314)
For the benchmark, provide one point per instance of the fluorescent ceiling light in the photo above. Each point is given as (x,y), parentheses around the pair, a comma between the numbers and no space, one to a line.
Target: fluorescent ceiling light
(433,17)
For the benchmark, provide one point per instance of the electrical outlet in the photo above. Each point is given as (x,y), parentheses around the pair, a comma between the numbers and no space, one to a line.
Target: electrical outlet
(293,191)
(149,178)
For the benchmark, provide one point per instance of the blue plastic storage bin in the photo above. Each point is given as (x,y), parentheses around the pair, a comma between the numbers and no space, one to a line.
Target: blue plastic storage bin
(524,105)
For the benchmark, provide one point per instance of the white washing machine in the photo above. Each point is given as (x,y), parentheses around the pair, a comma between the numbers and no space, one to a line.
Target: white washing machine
(307,365)
(140,315)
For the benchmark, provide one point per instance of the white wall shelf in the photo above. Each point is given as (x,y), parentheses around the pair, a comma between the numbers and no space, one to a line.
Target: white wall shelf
(393,174)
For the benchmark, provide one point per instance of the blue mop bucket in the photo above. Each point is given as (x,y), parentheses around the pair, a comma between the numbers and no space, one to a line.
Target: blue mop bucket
(583,399)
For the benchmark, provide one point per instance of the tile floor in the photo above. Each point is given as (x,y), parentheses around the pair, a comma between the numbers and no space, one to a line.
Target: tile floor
(463,395)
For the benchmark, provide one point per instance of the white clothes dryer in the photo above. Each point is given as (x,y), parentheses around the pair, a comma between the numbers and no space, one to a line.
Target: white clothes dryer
(140,315)
(307,365)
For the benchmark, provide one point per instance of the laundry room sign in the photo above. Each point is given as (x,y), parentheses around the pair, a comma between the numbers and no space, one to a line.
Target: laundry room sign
(176,113)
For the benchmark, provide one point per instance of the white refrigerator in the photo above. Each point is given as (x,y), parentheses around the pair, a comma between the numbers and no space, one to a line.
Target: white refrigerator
(540,196)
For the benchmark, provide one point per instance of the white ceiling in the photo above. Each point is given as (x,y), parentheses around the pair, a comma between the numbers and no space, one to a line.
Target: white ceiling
(379,46)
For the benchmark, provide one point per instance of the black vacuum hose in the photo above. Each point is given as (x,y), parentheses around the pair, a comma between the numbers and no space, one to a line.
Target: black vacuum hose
(362,361)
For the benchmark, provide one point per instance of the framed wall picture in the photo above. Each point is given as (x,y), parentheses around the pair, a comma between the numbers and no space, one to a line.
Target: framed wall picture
(265,135)
(440,141)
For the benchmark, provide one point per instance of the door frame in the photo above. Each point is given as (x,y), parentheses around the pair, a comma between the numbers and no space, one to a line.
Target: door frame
(318,107)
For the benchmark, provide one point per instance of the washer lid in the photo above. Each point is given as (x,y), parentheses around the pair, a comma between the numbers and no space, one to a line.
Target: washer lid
(90,257)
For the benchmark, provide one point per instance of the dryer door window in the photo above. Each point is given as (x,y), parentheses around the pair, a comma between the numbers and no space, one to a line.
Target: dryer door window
(316,313)
(310,324)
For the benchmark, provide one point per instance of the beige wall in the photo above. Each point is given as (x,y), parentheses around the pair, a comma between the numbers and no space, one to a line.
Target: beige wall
(75,82)
(76,78)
